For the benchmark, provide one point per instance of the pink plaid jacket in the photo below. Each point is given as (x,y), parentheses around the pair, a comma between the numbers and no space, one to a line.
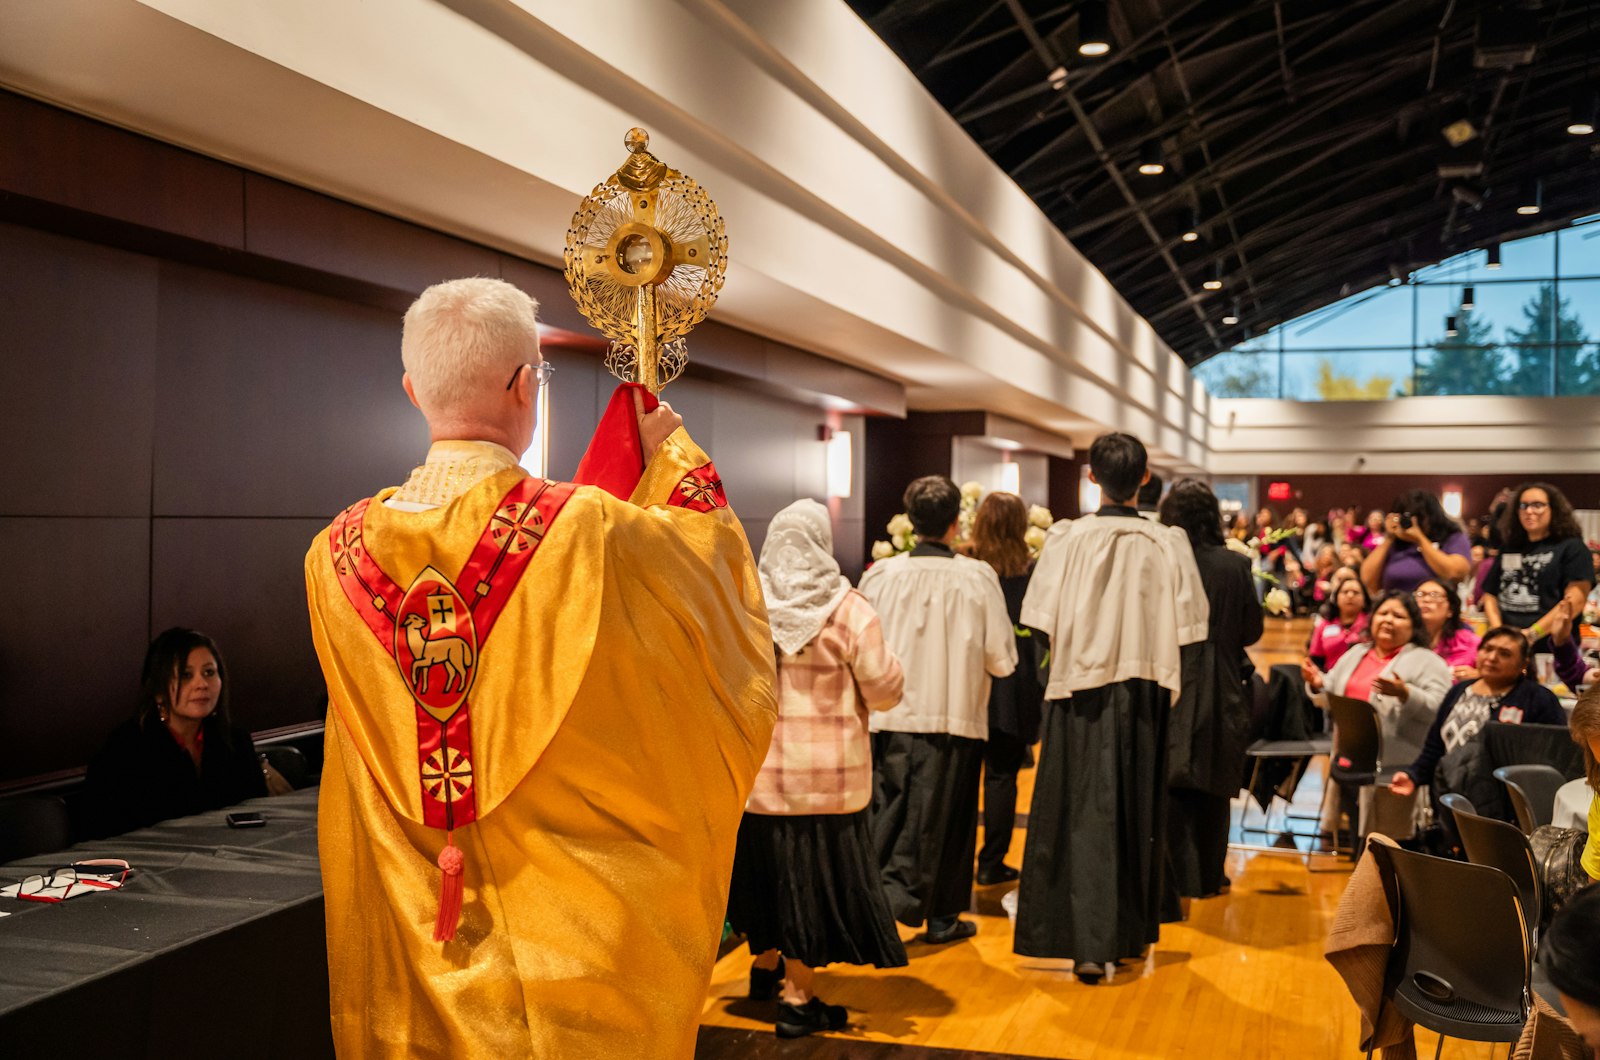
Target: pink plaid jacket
(821,755)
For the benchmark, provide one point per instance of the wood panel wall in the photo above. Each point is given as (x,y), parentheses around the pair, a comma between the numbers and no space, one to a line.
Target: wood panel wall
(202,367)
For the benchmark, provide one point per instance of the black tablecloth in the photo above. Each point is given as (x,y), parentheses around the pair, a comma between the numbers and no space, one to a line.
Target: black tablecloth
(213,947)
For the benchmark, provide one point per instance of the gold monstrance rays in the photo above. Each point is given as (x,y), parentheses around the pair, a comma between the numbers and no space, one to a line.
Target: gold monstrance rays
(646,255)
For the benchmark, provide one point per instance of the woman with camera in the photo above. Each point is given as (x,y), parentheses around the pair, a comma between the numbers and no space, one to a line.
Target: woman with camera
(1420,542)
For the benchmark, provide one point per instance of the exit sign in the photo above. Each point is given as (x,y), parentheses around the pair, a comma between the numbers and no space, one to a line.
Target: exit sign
(1278,491)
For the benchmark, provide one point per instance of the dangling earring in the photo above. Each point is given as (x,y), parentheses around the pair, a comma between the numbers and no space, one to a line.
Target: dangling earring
(161,709)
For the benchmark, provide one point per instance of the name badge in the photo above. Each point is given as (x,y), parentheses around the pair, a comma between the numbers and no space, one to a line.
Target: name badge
(1511,715)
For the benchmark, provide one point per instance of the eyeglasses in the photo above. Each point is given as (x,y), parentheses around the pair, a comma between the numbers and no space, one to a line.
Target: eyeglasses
(1532,506)
(1423,597)
(102,874)
(544,370)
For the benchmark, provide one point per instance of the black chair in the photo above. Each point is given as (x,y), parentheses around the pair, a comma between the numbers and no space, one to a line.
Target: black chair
(1462,960)
(1358,743)
(1502,846)
(33,824)
(1297,754)
(291,762)
(1357,748)
(1533,793)
(1451,804)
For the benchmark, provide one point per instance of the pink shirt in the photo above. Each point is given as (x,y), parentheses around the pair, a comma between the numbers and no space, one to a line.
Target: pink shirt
(1359,686)
(1330,640)
(1460,648)
(820,760)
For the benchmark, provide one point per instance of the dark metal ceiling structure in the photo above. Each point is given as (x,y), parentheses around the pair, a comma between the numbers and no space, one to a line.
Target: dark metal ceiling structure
(1304,142)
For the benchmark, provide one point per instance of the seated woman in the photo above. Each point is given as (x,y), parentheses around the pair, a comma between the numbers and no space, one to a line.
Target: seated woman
(806,890)
(1404,681)
(178,754)
(1451,639)
(1342,622)
(1501,691)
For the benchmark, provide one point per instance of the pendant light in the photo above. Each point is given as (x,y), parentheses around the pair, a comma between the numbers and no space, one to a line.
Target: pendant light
(1094,28)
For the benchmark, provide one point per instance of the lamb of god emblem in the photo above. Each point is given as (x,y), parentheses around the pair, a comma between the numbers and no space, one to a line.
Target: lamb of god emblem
(435,644)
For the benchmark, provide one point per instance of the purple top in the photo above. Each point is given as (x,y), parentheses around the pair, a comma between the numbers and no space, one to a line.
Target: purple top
(1406,569)
(1459,649)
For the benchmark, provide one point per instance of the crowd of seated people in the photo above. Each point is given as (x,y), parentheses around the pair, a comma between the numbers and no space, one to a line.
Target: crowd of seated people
(1399,599)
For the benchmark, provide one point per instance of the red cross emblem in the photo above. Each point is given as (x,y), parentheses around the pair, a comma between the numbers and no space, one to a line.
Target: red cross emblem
(516,527)
(452,770)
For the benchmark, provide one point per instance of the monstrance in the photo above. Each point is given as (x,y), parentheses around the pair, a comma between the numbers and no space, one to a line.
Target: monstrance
(646,255)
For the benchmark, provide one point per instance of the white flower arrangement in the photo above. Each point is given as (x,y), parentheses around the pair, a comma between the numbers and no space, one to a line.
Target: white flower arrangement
(902,538)
(1276,602)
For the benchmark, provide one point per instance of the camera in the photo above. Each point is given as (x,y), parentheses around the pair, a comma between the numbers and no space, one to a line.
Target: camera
(1406,521)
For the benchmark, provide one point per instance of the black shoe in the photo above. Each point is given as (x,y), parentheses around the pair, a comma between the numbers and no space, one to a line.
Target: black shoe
(1088,972)
(940,933)
(998,874)
(764,984)
(797,1021)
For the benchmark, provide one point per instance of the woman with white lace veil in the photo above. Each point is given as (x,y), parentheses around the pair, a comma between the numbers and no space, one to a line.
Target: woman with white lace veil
(806,890)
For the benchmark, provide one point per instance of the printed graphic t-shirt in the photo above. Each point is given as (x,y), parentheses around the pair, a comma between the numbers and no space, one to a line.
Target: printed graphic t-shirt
(1528,584)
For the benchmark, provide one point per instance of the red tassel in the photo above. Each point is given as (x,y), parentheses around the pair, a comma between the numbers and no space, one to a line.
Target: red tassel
(451,861)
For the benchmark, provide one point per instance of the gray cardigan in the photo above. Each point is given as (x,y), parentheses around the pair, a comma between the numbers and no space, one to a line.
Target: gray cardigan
(1405,724)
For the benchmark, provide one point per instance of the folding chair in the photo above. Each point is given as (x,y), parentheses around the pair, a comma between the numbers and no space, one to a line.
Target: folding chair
(1358,748)
(1300,752)
(1503,846)
(1462,959)
(1533,793)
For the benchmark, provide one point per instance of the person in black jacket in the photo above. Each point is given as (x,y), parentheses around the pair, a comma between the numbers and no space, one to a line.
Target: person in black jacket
(1015,702)
(1502,692)
(1209,728)
(178,755)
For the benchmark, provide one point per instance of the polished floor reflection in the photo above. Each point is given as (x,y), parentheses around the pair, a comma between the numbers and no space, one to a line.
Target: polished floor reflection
(1244,976)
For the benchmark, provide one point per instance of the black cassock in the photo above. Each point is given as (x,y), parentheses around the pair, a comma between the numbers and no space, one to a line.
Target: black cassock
(1210,725)
(1093,867)
(925,821)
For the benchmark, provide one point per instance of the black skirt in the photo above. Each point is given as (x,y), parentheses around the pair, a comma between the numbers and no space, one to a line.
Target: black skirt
(808,886)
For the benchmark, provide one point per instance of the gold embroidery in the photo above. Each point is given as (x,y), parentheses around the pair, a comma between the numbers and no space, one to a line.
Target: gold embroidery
(452,468)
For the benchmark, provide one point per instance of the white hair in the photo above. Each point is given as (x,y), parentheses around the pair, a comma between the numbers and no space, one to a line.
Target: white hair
(464,337)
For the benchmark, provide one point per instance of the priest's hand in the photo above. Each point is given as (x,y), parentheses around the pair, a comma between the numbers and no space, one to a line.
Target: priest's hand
(654,426)
(1402,784)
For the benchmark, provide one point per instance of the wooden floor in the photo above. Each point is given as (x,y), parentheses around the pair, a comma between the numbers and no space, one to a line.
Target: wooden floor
(1243,977)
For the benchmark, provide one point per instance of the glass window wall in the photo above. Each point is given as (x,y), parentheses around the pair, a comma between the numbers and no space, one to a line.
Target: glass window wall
(1528,328)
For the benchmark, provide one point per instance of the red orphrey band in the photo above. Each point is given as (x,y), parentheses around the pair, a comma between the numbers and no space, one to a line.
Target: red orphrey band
(436,634)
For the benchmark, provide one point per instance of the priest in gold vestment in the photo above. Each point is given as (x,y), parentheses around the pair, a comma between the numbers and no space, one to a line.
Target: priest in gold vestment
(526,838)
